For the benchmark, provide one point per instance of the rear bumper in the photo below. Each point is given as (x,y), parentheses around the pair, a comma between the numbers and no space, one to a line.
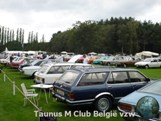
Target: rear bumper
(72,102)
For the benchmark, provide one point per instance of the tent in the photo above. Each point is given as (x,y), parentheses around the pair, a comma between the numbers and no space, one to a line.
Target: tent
(145,54)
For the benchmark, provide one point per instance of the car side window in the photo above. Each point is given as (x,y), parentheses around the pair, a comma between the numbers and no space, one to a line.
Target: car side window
(80,66)
(38,63)
(136,77)
(58,69)
(93,78)
(118,77)
(154,60)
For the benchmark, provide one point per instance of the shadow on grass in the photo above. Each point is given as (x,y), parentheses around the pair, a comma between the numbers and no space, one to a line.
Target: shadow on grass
(26,77)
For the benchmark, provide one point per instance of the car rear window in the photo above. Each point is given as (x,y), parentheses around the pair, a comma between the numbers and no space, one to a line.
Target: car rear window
(43,69)
(58,69)
(93,78)
(69,77)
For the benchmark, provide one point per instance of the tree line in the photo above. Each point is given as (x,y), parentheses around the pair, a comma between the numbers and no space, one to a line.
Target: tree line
(15,40)
(114,35)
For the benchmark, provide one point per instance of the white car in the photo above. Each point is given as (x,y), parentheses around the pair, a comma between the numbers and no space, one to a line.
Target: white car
(49,73)
(30,70)
(149,63)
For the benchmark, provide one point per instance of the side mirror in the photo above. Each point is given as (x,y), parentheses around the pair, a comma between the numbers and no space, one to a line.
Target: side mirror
(147,80)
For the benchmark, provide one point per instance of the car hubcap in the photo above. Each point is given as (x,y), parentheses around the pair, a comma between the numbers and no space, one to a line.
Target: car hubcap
(103,104)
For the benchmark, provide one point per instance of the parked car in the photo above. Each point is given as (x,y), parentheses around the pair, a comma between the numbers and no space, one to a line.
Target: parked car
(49,73)
(98,86)
(6,60)
(31,62)
(108,61)
(18,61)
(127,61)
(98,61)
(31,70)
(144,103)
(149,63)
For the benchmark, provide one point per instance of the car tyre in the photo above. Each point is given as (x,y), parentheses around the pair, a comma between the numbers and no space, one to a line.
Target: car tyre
(33,75)
(103,104)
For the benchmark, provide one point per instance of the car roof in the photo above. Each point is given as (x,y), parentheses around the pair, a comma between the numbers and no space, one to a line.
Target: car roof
(103,69)
(66,64)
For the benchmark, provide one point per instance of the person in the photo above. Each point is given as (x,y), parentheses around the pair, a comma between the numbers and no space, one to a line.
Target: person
(85,60)
(11,58)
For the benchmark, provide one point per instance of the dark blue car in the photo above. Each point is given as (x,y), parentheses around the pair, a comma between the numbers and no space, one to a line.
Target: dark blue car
(98,86)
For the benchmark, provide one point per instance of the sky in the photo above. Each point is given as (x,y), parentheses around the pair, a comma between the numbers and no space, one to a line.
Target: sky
(50,16)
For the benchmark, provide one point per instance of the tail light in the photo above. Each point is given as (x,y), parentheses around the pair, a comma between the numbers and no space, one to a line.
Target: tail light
(126,107)
(71,96)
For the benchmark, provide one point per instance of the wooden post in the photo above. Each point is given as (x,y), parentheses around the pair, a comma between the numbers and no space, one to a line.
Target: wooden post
(14,88)
(4,77)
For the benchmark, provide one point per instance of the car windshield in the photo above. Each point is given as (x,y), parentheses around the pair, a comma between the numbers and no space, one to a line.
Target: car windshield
(34,62)
(69,77)
(147,60)
(153,88)
(43,69)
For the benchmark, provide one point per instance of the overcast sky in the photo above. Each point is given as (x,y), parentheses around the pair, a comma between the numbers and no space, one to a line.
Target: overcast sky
(49,16)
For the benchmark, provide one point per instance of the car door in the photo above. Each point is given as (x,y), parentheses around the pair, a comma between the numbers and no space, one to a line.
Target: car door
(154,63)
(137,80)
(90,85)
(118,84)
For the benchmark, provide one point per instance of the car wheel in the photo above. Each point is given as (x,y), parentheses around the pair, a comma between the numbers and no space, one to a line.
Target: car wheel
(103,104)
(33,75)
(146,66)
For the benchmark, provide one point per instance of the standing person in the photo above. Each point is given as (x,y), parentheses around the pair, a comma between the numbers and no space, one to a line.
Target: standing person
(11,58)
(85,60)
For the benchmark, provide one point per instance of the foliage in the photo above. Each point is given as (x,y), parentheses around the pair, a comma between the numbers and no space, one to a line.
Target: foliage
(117,35)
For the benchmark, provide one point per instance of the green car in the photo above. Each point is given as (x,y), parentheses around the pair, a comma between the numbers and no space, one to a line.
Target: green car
(98,61)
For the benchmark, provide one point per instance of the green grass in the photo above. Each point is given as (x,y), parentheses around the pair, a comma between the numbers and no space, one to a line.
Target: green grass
(12,109)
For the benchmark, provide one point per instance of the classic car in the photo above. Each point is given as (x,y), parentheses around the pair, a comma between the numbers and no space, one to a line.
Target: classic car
(49,73)
(18,61)
(108,61)
(99,86)
(31,70)
(31,62)
(145,103)
(149,63)
(98,61)
(127,61)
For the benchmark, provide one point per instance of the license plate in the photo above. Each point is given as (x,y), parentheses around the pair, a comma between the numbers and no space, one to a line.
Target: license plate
(60,92)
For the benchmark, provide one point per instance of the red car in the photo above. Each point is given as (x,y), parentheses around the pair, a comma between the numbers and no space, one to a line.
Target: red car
(17,62)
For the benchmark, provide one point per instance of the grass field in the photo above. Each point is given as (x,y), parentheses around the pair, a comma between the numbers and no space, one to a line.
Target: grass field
(12,109)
